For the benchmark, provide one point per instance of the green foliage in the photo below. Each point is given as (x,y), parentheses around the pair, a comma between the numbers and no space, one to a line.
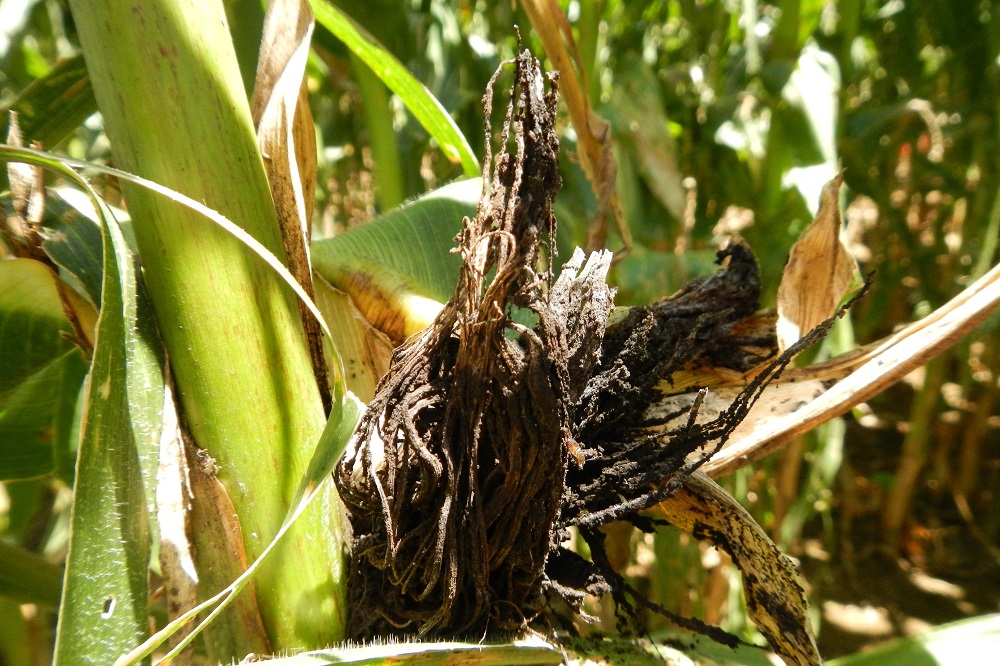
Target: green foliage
(41,369)
(721,113)
(426,227)
(110,540)
(964,642)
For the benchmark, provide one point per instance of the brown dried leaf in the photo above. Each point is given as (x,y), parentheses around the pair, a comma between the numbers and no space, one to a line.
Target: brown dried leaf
(287,141)
(867,372)
(775,599)
(818,274)
(793,390)
(238,630)
(593,132)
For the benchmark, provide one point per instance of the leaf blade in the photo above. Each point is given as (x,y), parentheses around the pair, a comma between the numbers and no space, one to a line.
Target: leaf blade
(775,599)
(105,589)
(40,371)
(421,103)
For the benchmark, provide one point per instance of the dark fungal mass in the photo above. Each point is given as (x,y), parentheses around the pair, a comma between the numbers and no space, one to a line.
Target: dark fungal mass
(488,439)
(455,475)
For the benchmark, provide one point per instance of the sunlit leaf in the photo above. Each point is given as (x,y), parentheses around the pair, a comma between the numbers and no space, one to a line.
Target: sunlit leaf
(105,591)
(818,274)
(399,269)
(424,106)
(433,654)
(960,643)
(287,139)
(338,430)
(867,372)
(775,599)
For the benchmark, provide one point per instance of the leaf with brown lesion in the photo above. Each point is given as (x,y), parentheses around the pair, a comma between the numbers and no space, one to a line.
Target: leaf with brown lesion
(775,600)
(287,140)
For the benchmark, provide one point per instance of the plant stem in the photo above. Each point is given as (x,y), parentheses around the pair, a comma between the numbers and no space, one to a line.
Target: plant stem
(589,31)
(167,83)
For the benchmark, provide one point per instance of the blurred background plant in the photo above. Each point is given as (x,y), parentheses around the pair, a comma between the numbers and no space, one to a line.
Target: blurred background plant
(727,116)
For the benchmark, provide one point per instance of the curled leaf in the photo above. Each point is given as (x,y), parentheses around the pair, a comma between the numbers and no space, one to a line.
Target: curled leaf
(818,274)
(868,371)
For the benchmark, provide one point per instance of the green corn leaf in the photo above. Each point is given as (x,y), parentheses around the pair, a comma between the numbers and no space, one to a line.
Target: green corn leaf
(105,592)
(956,644)
(336,434)
(40,371)
(402,262)
(28,578)
(421,103)
(53,106)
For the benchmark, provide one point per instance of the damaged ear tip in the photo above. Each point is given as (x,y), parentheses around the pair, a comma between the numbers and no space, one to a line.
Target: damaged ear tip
(462,476)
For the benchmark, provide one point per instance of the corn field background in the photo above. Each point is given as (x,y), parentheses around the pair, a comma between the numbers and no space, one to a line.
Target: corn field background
(725,117)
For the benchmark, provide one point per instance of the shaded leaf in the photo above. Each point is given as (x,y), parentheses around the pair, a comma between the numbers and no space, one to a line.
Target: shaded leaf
(638,116)
(53,106)
(28,578)
(73,242)
(41,370)
(364,351)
